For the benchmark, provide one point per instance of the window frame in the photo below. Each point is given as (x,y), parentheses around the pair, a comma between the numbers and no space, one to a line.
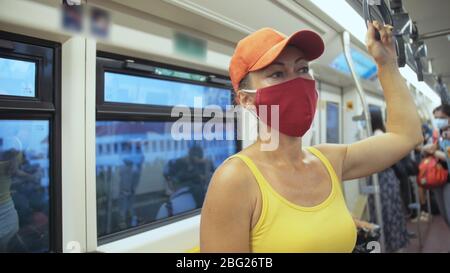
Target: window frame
(45,105)
(116,111)
(32,50)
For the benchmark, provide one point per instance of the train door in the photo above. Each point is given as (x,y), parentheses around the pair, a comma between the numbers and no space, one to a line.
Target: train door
(330,114)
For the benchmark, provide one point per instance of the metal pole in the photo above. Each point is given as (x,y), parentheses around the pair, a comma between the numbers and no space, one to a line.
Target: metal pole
(418,209)
(434,34)
(375,183)
(430,215)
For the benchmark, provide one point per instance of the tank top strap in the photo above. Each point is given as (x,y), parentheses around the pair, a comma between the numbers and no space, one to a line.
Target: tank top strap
(325,162)
(255,171)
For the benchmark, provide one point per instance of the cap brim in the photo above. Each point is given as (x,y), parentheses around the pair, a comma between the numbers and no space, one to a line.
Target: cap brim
(309,42)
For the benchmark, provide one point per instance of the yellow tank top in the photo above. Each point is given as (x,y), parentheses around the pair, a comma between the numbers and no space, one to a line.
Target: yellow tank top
(286,227)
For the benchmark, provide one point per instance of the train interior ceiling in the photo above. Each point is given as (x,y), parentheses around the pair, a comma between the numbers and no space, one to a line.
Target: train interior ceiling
(184,45)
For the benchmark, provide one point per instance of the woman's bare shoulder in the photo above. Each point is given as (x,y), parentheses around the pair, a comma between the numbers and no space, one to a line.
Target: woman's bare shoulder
(231,173)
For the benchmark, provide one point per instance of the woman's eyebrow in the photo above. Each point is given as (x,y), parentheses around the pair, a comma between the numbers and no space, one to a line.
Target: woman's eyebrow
(300,59)
(277,63)
(283,64)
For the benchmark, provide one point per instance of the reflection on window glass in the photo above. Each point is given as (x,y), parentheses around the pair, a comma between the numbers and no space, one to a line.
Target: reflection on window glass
(141,90)
(24,182)
(137,186)
(332,122)
(17,78)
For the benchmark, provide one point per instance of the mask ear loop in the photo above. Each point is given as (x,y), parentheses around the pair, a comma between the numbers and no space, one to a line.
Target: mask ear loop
(311,73)
(251,109)
(252,91)
(247,106)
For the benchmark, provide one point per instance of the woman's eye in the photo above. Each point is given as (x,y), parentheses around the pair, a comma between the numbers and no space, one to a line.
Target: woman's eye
(276,75)
(303,69)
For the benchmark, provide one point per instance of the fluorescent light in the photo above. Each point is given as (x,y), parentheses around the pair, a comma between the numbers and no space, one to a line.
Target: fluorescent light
(345,16)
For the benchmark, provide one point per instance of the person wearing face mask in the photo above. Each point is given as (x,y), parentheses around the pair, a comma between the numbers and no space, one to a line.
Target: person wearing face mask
(440,149)
(443,193)
(289,198)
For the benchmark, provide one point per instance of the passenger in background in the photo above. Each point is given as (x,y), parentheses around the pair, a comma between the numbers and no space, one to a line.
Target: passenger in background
(30,200)
(187,178)
(404,169)
(31,207)
(429,134)
(443,192)
(439,150)
(130,174)
(9,219)
(394,218)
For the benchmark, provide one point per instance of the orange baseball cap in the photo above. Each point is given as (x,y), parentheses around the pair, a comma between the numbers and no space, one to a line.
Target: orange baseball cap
(263,46)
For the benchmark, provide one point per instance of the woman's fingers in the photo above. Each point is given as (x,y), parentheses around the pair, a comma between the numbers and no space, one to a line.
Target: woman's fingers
(385,33)
(382,30)
(370,36)
(389,30)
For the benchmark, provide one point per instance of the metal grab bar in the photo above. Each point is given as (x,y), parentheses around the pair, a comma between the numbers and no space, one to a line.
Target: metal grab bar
(375,184)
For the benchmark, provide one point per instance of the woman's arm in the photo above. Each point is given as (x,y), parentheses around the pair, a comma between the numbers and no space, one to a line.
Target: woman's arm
(227,210)
(403,128)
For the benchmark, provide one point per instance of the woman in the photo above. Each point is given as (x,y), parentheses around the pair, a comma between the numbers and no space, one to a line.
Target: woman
(439,150)
(288,199)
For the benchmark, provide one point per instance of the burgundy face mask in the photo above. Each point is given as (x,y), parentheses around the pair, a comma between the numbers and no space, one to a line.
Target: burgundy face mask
(296,99)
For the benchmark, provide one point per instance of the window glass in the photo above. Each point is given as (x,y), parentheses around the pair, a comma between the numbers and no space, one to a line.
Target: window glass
(24,185)
(17,78)
(332,122)
(123,88)
(138,186)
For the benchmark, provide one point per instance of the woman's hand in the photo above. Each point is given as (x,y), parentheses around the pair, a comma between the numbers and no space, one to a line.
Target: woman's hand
(363,224)
(429,149)
(383,51)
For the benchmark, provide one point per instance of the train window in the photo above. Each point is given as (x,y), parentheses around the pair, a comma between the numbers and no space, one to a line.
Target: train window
(332,122)
(30,152)
(124,88)
(17,77)
(150,186)
(24,185)
(155,177)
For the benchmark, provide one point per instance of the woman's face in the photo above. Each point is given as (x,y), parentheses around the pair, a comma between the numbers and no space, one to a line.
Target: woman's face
(289,65)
